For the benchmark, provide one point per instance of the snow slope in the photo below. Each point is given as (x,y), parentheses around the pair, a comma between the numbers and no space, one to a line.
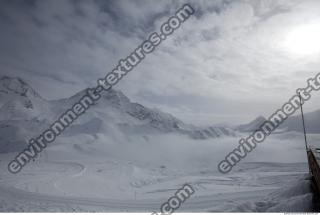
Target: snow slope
(87,174)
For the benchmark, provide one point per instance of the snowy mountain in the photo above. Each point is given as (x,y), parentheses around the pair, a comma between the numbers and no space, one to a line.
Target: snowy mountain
(312,122)
(293,123)
(18,101)
(251,126)
(24,113)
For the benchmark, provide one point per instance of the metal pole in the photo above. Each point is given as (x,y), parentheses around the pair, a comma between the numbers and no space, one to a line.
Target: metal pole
(305,135)
(304,127)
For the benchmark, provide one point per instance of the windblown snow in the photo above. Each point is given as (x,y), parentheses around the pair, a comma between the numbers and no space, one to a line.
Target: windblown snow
(122,156)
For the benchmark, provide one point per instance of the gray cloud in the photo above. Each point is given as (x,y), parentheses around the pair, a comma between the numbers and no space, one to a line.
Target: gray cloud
(227,57)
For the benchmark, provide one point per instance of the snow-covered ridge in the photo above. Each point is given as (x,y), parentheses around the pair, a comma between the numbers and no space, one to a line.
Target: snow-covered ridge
(9,85)
(24,114)
(19,101)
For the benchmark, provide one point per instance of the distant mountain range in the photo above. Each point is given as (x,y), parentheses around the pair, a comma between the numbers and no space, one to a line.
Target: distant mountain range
(25,114)
(294,123)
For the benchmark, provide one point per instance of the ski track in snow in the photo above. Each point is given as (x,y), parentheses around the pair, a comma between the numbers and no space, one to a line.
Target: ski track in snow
(242,188)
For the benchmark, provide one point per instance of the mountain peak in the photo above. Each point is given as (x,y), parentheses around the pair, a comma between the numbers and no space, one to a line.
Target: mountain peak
(253,125)
(15,85)
(260,119)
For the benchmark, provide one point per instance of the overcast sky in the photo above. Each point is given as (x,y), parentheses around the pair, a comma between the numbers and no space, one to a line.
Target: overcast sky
(230,62)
